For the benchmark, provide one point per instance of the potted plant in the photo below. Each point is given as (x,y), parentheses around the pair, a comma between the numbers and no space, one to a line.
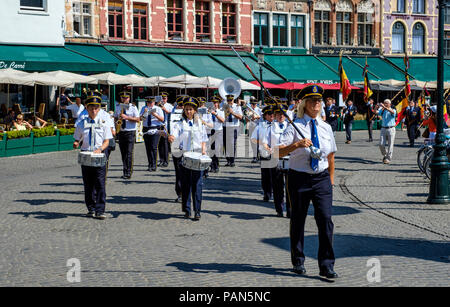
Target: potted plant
(45,140)
(66,138)
(19,142)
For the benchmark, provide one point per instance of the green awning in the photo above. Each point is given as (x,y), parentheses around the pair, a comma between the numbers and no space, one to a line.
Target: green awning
(234,63)
(50,58)
(422,68)
(303,68)
(100,53)
(382,69)
(203,65)
(153,64)
(353,70)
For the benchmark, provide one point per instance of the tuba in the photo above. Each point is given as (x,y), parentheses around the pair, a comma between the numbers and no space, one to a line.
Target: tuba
(229,86)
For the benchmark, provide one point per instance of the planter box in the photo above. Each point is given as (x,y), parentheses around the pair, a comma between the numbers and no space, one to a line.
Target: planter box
(45,144)
(19,147)
(66,142)
(3,148)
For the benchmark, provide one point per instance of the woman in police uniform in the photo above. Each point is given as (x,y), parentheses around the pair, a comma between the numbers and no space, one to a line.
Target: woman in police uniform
(310,179)
(190,135)
(93,177)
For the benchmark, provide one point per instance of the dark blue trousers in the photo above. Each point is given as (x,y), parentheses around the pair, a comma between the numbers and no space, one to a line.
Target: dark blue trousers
(126,144)
(177,165)
(94,188)
(266,182)
(412,133)
(163,148)
(304,188)
(151,147)
(278,188)
(348,130)
(191,185)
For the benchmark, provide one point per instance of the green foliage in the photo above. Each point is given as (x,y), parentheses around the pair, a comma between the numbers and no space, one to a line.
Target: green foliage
(1,136)
(42,132)
(17,134)
(66,131)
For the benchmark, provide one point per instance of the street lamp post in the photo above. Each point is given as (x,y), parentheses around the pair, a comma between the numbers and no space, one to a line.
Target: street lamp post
(439,164)
(260,56)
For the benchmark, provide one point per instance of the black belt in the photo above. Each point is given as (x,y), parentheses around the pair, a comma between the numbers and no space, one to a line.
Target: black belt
(388,127)
(145,129)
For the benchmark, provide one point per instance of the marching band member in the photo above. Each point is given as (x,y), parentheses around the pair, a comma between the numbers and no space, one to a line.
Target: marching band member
(272,140)
(257,138)
(190,135)
(218,118)
(153,119)
(331,114)
(231,129)
(93,177)
(310,179)
(252,125)
(206,119)
(129,115)
(177,159)
(163,146)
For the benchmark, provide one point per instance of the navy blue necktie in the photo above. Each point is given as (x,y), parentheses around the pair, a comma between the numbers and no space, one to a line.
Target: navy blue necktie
(149,120)
(91,121)
(124,124)
(315,141)
(213,117)
(190,124)
(281,126)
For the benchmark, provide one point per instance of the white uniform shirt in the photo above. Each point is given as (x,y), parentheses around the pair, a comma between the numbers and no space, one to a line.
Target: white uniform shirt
(290,113)
(218,125)
(189,138)
(75,109)
(130,111)
(101,131)
(154,122)
(103,115)
(169,108)
(300,159)
(258,112)
(207,118)
(261,134)
(234,121)
(275,134)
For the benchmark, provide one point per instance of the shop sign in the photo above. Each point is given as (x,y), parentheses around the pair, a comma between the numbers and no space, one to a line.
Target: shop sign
(13,65)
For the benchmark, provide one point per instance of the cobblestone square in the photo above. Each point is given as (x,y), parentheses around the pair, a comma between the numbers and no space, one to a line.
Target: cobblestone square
(380,211)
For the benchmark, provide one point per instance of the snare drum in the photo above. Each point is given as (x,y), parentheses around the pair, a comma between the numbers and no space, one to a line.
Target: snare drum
(283,164)
(195,161)
(88,158)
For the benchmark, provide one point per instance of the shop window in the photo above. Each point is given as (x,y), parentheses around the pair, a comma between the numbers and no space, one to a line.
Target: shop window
(260,29)
(298,31)
(279,30)
(202,23)
(228,23)
(175,19)
(115,19)
(140,21)
(398,38)
(418,42)
(82,19)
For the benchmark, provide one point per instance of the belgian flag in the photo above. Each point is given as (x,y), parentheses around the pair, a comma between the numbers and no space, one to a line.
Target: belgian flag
(401,107)
(367,89)
(345,83)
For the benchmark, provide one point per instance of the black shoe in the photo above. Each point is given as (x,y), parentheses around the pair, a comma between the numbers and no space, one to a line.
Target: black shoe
(100,216)
(299,269)
(266,199)
(149,169)
(90,214)
(279,214)
(159,163)
(255,160)
(178,200)
(126,177)
(228,164)
(197,217)
(187,215)
(232,165)
(328,273)
(165,164)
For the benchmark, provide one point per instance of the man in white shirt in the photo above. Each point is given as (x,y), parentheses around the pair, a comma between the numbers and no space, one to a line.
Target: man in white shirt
(163,146)
(95,134)
(153,120)
(76,108)
(233,116)
(127,135)
(216,140)
(252,124)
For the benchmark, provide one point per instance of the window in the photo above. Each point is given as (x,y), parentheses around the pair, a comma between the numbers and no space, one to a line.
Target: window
(419,6)
(297,31)
(260,29)
(365,29)
(202,27)
(343,28)
(418,42)
(34,5)
(175,19)
(82,19)
(322,27)
(447,44)
(228,22)
(398,38)
(115,18)
(279,30)
(140,21)
(400,6)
